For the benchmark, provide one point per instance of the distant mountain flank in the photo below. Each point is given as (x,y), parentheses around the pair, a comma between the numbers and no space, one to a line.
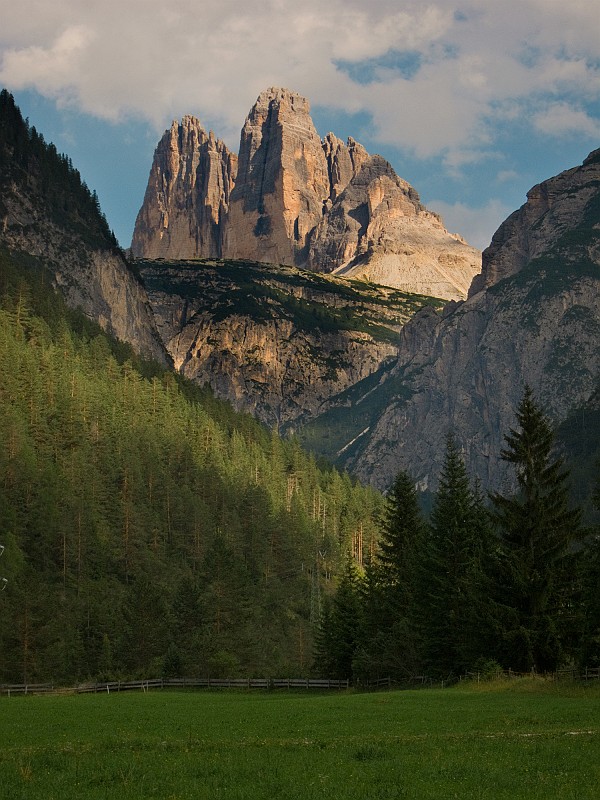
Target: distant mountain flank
(533,317)
(47,212)
(291,198)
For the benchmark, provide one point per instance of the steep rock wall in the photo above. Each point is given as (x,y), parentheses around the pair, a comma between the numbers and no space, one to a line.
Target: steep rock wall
(537,323)
(187,196)
(296,200)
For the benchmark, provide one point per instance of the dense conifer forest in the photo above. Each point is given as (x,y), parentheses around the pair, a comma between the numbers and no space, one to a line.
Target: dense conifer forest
(147,527)
(479,586)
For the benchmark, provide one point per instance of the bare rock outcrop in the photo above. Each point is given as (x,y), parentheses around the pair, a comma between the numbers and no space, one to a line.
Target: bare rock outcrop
(187,196)
(553,208)
(282,182)
(279,342)
(536,323)
(96,280)
(378,230)
(343,163)
(296,200)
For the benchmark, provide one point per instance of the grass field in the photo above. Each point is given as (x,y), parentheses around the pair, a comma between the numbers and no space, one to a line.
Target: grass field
(524,739)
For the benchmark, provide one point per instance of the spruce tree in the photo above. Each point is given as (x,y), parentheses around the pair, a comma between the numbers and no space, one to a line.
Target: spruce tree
(338,635)
(392,626)
(455,621)
(538,530)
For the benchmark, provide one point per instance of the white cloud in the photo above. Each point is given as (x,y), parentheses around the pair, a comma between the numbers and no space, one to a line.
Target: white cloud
(476,225)
(161,60)
(52,70)
(561,119)
(507,175)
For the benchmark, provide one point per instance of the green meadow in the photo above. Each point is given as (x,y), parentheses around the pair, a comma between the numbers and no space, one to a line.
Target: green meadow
(518,739)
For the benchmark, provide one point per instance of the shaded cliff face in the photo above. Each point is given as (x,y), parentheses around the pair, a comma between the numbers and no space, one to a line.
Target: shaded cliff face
(553,210)
(95,279)
(188,192)
(537,322)
(278,342)
(296,200)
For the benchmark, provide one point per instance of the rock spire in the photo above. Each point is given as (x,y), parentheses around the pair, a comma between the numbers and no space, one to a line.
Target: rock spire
(295,199)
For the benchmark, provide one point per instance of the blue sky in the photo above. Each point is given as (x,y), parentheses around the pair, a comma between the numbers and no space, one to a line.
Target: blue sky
(472,102)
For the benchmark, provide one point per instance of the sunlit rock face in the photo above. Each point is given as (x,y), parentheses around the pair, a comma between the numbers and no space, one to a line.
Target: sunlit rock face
(188,192)
(378,230)
(283,181)
(295,199)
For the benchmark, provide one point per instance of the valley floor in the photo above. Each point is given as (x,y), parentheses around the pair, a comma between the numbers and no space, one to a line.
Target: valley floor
(520,739)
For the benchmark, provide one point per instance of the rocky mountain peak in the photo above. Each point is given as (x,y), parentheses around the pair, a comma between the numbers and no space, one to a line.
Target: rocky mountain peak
(553,208)
(282,182)
(379,230)
(344,161)
(295,199)
(188,191)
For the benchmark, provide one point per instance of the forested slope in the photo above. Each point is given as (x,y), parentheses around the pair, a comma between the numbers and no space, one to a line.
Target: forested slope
(147,527)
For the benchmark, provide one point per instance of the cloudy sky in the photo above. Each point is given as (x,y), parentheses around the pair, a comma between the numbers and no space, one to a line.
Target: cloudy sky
(472,102)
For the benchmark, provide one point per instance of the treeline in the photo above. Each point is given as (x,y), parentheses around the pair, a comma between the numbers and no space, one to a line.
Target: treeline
(26,159)
(149,529)
(509,581)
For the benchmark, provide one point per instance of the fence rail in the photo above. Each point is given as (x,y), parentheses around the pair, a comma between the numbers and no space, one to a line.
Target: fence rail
(589,673)
(181,683)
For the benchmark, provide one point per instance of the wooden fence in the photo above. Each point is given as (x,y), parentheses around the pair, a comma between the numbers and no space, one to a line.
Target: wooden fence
(587,674)
(180,683)
(318,684)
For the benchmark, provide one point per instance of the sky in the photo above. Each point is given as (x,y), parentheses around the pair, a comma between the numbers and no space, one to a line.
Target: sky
(472,102)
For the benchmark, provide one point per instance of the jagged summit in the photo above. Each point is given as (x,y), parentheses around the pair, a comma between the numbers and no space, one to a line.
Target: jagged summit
(292,198)
(190,181)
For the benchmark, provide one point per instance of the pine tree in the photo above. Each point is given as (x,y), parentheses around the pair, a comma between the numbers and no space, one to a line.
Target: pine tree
(391,621)
(538,529)
(338,635)
(452,590)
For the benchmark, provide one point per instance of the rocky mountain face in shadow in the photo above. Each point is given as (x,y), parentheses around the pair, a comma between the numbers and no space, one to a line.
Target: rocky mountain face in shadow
(48,213)
(294,199)
(532,317)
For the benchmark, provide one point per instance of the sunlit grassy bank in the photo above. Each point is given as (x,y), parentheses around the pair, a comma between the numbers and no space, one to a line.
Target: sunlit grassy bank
(522,739)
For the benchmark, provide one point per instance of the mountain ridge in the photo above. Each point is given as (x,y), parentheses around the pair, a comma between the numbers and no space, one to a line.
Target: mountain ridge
(46,211)
(464,370)
(291,198)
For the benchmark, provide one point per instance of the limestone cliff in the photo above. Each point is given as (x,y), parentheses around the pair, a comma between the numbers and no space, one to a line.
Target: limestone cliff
(278,342)
(553,209)
(49,214)
(536,323)
(188,191)
(296,200)
(95,279)
(282,182)
(378,230)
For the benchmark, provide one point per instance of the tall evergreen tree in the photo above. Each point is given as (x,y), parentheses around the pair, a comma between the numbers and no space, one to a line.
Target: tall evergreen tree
(538,529)
(338,635)
(452,590)
(390,638)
